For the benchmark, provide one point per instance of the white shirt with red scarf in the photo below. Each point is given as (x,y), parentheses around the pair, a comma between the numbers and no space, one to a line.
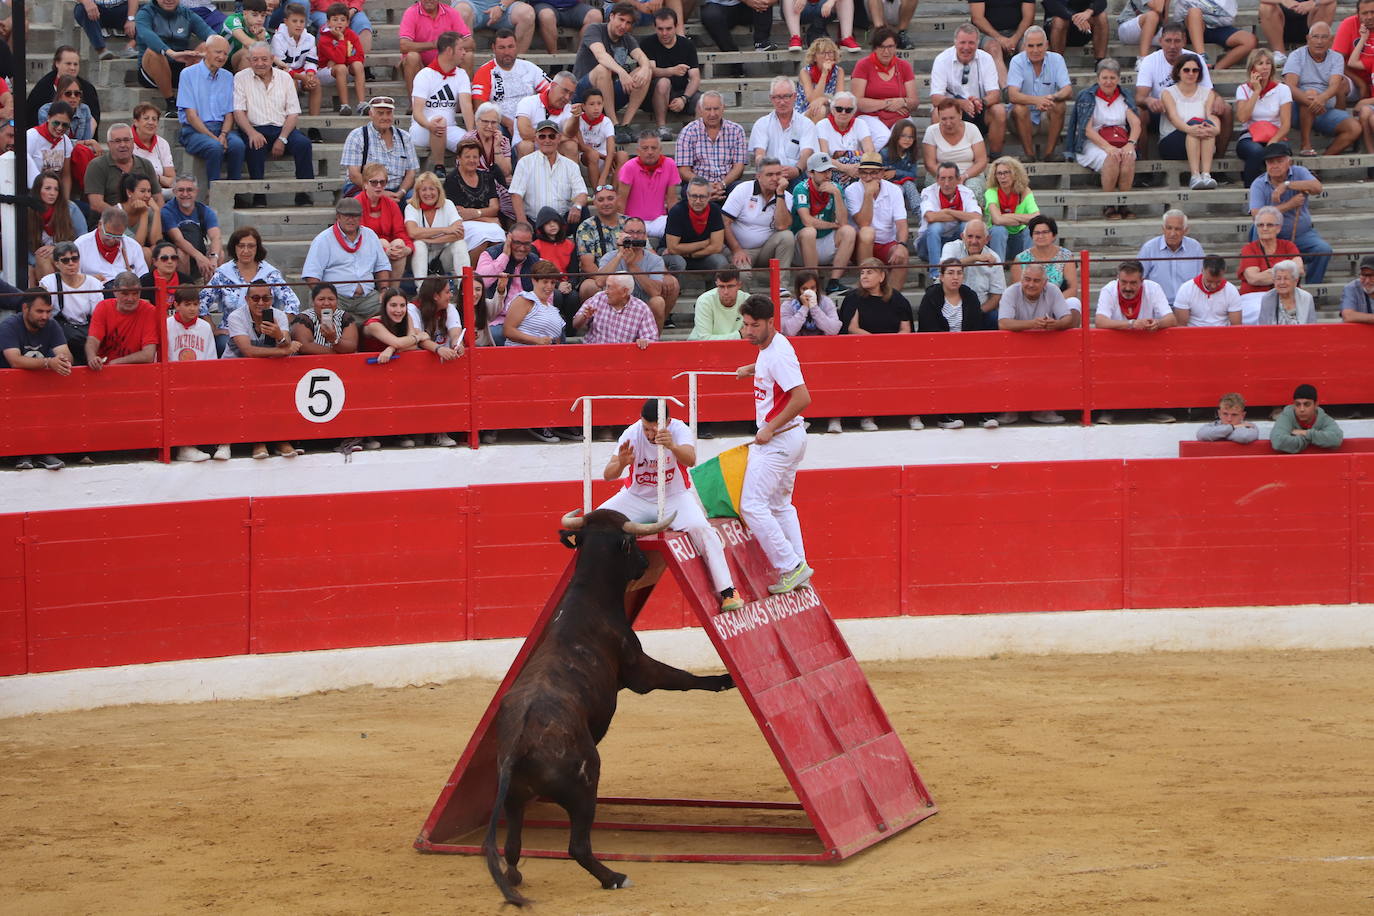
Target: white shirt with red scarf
(1153,303)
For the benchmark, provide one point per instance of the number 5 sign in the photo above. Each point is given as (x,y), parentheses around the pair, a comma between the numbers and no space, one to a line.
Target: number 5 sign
(319,395)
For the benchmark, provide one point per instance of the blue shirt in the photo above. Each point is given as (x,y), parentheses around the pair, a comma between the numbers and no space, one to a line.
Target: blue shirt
(201,215)
(1170,275)
(1262,195)
(1053,76)
(352,272)
(211,97)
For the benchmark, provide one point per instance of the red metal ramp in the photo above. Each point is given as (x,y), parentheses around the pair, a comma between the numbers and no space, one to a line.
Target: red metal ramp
(852,776)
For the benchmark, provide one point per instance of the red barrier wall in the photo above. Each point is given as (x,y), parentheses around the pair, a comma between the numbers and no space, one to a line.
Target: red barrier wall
(254,400)
(133,584)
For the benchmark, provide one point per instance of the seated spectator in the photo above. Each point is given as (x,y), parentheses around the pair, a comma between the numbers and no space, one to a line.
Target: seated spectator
(75,296)
(783,134)
(505,273)
(266,111)
(493,155)
(425,20)
(952,306)
(1287,303)
(205,107)
(884,86)
(593,134)
(1316,78)
(1061,264)
(1108,134)
(1286,26)
(148,145)
(552,103)
(123,329)
(432,221)
(1173,257)
(951,139)
(32,340)
(96,17)
(945,207)
(877,307)
(895,15)
(505,81)
(1138,21)
(716,312)
(1290,188)
(758,220)
(439,94)
(1132,303)
(1354,48)
(189,338)
(145,217)
(547,179)
(1010,206)
(1357,297)
(324,328)
(553,244)
(806,311)
(718,17)
(821,79)
(83,130)
(1210,301)
(168,37)
(106,173)
(976,92)
(1213,22)
(244,29)
(245,262)
(348,254)
(106,251)
(1076,22)
(1154,74)
(1230,424)
(649,185)
(434,313)
(1187,129)
(342,55)
(599,235)
(982,272)
(1264,111)
(1034,303)
(393,329)
(845,137)
(380,141)
(58,220)
(1003,25)
(677,72)
(294,50)
(66,61)
(49,146)
(1303,424)
(1038,88)
(653,283)
(573,14)
(260,332)
(207,10)
(193,228)
(820,222)
(616,315)
(532,319)
(383,216)
(694,232)
(902,164)
(610,59)
(1257,259)
(712,147)
(817,15)
(160,284)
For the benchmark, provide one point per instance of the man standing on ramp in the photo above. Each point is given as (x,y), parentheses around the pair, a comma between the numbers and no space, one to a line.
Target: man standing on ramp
(780,396)
(638,501)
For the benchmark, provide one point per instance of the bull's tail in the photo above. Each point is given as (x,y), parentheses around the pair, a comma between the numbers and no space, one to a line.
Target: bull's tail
(489,844)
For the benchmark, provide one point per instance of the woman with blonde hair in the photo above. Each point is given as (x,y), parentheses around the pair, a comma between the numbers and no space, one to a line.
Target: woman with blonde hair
(821,77)
(432,219)
(1010,207)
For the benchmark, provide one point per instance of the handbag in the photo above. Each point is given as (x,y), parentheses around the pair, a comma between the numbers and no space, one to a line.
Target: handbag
(1262,131)
(1115,134)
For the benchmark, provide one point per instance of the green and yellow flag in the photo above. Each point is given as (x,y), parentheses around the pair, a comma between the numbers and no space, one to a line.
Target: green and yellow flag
(720,481)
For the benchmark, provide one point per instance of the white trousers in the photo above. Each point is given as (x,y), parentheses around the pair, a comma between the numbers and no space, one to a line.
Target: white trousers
(766,499)
(690,518)
(419,261)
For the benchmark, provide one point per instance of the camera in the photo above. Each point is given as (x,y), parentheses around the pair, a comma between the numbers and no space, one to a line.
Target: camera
(634,243)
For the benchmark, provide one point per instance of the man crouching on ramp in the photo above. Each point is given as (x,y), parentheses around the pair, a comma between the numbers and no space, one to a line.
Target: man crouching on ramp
(638,501)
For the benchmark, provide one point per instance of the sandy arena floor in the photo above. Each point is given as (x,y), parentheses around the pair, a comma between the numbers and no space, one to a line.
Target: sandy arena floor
(1167,783)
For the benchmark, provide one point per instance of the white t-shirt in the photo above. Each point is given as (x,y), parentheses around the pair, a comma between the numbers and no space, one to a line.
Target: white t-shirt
(947,74)
(1270,104)
(930,200)
(776,372)
(297,55)
(845,148)
(160,156)
(76,302)
(187,344)
(441,92)
(888,207)
(960,153)
(1157,73)
(532,107)
(784,144)
(93,264)
(507,88)
(596,136)
(451,319)
(1204,310)
(642,480)
(44,155)
(443,217)
(240,323)
(1153,303)
(753,220)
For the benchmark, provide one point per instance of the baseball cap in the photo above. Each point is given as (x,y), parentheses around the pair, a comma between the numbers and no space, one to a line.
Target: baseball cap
(1277,150)
(381,101)
(546,124)
(820,162)
(1367,263)
(871,161)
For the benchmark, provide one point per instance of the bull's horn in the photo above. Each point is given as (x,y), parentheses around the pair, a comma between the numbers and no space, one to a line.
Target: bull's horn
(573,521)
(640,529)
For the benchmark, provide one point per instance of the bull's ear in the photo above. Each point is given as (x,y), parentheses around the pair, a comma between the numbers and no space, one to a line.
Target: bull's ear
(569,539)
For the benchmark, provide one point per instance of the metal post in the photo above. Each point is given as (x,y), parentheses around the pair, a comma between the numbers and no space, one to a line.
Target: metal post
(16,269)
(659,445)
(692,396)
(9,220)
(1084,265)
(775,282)
(469,289)
(586,456)
(586,402)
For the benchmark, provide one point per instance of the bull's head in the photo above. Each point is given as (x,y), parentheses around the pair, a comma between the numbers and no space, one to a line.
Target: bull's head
(576,528)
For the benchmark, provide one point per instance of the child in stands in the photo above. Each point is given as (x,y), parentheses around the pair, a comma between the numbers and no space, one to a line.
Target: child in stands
(294,49)
(553,244)
(341,54)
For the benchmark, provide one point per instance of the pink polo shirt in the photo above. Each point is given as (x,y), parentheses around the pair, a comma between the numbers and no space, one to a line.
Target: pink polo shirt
(647,189)
(416,26)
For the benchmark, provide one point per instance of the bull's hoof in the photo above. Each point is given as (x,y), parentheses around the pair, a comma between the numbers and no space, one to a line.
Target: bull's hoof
(724,682)
(514,877)
(617,882)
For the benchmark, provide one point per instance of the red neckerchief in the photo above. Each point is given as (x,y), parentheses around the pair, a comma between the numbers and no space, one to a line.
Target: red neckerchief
(662,160)
(343,242)
(818,199)
(47,219)
(590,123)
(699,222)
(1205,290)
(184,323)
(45,133)
(950,203)
(544,97)
(1268,88)
(428,209)
(1108,98)
(877,67)
(1008,201)
(814,71)
(840,130)
(1309,424)
(441,71)
(108,252)
(1131,307)
(152,144)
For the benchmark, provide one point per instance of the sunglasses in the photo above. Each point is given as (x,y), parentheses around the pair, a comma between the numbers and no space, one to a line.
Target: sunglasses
(842,109)
(382,100)
(69,259)
(267,298)
(166,257)
(1190,70)
(604,187)
(963,78)
(72,95)
(60,125)
(377,182)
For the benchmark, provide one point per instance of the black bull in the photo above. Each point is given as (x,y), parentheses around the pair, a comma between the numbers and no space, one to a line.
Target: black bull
(561,705)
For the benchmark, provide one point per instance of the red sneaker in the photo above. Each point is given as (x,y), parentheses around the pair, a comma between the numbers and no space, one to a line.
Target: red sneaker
(794,44)
(850,45)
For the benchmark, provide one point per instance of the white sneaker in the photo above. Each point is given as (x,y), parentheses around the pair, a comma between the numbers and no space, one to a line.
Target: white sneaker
(1105,418)
(834,426)
(1047,416)
(1006,419)
(1279,60)
(443,440)
(951,423)
(371,444)
(990,423)
(191,453)
(221,452)
(867,425)
(916,423)
(1195,182)
(406,443)
(1208,182)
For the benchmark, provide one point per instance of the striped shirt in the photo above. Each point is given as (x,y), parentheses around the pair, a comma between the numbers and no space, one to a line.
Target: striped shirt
(542,184)
(612,325)
(707,158)
(267,103)
(541,321)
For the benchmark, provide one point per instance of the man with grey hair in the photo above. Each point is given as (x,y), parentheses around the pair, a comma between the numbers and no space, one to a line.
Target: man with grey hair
(552,103)
(546,178)
(758,219)
(694,231)
(1038,88)
(124,329)
(266,109)
(784,134)
(106,171)
(205,107)
(1172,258)
(106,251)
(969,75)
(712,147)
(982,268)
(349,255)
(1034,304)
(616,315)
(193,227)
(1316,76)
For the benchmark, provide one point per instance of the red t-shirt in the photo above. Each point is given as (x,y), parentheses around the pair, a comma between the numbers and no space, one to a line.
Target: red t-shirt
(122,333)
(881,89)
(1346,35)
(1252,256)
